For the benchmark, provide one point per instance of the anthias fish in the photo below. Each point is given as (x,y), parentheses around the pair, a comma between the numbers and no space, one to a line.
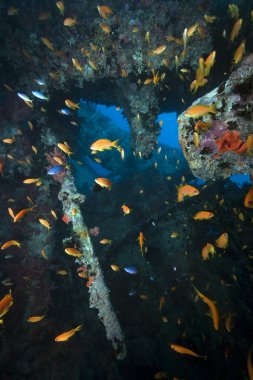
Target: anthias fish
(65,336)
(212,307)
(186,351)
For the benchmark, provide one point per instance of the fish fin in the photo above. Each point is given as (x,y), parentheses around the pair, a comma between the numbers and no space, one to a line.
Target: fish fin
(115,144)
(78,328)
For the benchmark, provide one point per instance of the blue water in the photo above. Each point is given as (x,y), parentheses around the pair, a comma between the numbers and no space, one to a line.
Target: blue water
(168,136)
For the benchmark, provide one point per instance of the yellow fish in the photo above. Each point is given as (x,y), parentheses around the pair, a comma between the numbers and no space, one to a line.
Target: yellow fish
(64,148)
(47,43)
(45,223)
(185,351)
(236,29)
(70,21)
(104,11)
(73,252)
(65,336)
(239,53)
(200,110)
(212,307)
(10,243)
(104,144)
(222,241)
(77,64)
(36,318)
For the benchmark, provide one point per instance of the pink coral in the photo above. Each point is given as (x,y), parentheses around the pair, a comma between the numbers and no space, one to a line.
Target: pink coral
(50,158)
(95,231)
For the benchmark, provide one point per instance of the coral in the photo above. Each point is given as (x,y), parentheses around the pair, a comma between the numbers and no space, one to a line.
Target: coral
(94,231)
(208,141)
(230,141)
(50,158)
(225,132)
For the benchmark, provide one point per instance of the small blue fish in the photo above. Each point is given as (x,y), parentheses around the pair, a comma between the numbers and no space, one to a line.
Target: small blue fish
(64,111)
(40,82)
(131,270)
(58,169)
(39,95)
(24,97)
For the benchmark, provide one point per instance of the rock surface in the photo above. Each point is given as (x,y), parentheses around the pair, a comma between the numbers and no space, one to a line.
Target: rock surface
(220,144)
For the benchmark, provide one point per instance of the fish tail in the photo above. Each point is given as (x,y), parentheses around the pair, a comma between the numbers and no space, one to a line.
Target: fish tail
(115,144)
(78,328)
(213,108)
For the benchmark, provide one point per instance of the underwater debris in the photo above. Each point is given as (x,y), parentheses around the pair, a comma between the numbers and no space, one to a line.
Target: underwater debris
(99,294)
(223,136)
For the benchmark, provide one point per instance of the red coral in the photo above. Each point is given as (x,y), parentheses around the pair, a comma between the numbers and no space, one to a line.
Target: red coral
(50,158)
(230,141)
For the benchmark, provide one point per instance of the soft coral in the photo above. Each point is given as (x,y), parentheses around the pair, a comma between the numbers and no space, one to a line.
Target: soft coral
(230,141)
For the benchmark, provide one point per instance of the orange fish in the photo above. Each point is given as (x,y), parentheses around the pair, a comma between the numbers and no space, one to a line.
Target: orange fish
(203,215)
(54,214)
(126,210)
(104,182)
(104,144)
(222,241)
(35,319)
(248,200)
(239,53)
(207,250)
(73,252)
(105,241)
(236,29)
(64,148)
(22,213)
(77,64)
(70,21)
(115,268)
(60,6)
(45,223)
(249,143)
(10,243)
(162,303)
(250,366)
(10,211)
(105,28)
(10,140)
(141,241)
(47,43)
(200,110)
(185,351)
(5,304)
(186,191)
(43,254)
(209,62)
(2,166)
(71,104)
(62,272)
(65,336)
(104,11)
(212,307)
(157,51)
(29,181)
